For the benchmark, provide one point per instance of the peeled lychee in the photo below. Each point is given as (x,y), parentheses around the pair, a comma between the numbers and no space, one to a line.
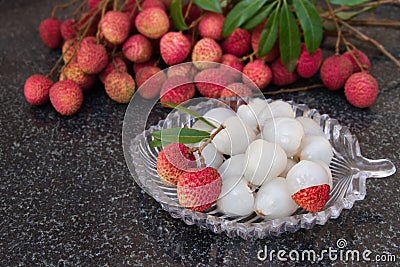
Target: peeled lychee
(120,86)
(237,43)
(172,161)
(211,26)
(255,39)
(50,32)
(280,75)
(335,70)
(137,48)
(361,89)
(237,89)
(309,64)
(211,82)
(258,72)
(206,49)
(153,3)
(362,58)
(154,84)
(92,57)
(177,90)
(152,23)
(199,188)
(116,64)
(67,29)
(66,97)
(174,47)
(74,73)
(36,89)
(115,27)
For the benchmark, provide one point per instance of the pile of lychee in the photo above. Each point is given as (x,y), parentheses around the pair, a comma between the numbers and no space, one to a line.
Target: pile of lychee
(124,45)
(261,159)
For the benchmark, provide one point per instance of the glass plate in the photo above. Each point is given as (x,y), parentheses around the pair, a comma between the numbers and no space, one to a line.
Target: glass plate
(349,169)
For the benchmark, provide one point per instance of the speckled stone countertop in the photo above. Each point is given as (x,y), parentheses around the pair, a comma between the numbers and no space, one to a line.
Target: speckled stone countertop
(67,197)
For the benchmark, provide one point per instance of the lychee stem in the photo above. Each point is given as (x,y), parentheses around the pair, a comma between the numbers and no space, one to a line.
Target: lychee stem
(103,12)
(375,22)
(369,4)
(248,56)
(138,5)
(292,90)
(188,9)
(62,6)
(195,22)
(79,9)
(339,31)
(350,47)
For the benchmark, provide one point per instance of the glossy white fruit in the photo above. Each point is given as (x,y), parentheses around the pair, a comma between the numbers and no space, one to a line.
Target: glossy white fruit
(216,116)
(328,171)
(212,157)
(232,168)
(306,174)
(315,147)
(250,113)
(289,164)
(276,109)
(274,200)
(310,126)
(235,138)
(236,198)
(286,132)
(264,161)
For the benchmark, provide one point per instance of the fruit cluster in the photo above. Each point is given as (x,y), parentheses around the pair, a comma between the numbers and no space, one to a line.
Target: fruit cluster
(123,43)
(260,158)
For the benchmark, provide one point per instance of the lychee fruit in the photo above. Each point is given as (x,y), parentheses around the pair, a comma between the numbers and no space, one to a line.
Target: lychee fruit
(66,97)
(137,48)
(50,32)
(194,13)
(69,50)
(151,62)
(120,86)
(199,188)
(152,23)
(312,199)
(211,82)
(362,58)
(116,64)
(154,83)
(177,90)
(335,70)
(92,57)
(280,75)
(237,43)
(172,161)
(257,72)
(206,49)
(67,29)
(153,3)
(237,90)
(187,70)
(91,17)
(174,47)
(74,73)
(115,27)
(93,3)
(232,61)
(211,26)
(255,39)
(36,89)
(361,89)
(308,64)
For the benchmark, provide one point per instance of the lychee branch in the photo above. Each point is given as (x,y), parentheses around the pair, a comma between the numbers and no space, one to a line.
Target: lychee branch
(339,31)
(369,4)
(293,90)
(62,6)
(375,22)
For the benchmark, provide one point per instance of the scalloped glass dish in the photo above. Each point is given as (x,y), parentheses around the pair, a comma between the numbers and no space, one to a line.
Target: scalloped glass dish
(349,169)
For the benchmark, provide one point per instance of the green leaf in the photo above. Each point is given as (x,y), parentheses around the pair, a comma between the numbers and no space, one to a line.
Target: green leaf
(176,15)
(240,14)
(349,15)
(310,22)
(209,5)
(258,18)
(156,143)
(348,2)
(269,34)
(190,112)
(289,40)
(180,135)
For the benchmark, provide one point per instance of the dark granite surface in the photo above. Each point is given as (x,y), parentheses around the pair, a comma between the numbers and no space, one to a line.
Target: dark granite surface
(67,197)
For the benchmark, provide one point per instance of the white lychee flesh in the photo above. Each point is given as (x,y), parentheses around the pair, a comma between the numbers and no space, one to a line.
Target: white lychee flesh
(236,198)
(276,109)
(310,126)
(212,157)
(289,164)
(232,168)
(315,147)
(216,116)
(250,113)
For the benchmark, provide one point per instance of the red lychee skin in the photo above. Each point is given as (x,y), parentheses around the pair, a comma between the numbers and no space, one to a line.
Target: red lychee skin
(116,64)
(174,47)
(308,64)
(199,188)
(137,49)
(152,23)
(132,14)
(70,50)
(92,57)
(211,26)
(172,161)
(151,62)
(167,3)
(312,199)
(153,3)
(81,24)
(237,90)
(66,97)
(280,75)
(120,87)
(115,27)
(335,71)
(257,72)
(211,82)
(50,32)
(362,58)
(36,89)
(93,3)
(187,70)
(206,49)
(237,43)
(361,89)
(194,13)
(153,84)
(177,90)
(67,29)
(74,73)
(232,61)
(255,39)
